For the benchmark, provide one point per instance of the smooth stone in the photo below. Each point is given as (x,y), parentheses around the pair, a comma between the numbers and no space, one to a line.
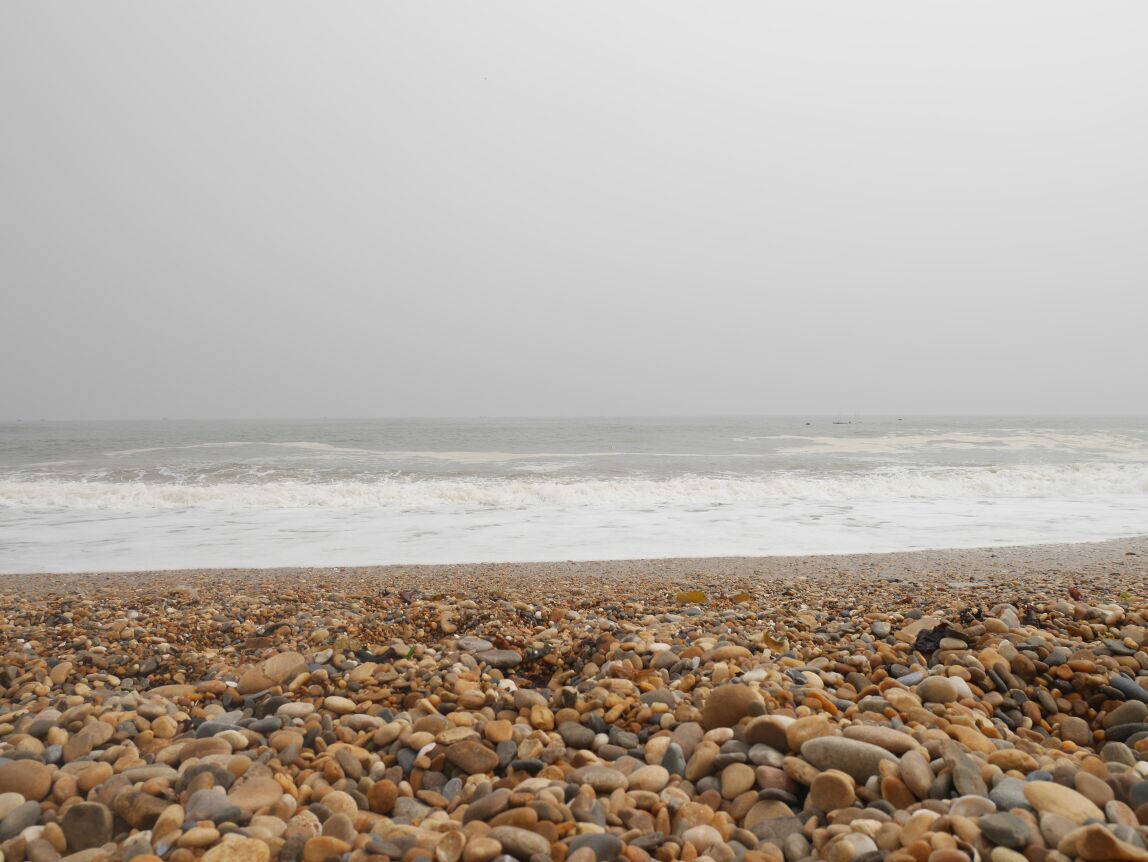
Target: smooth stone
(1050,798)
(726,705)
(861,760)
(211,803)
(87,825)
(1005,829)
(1075,730)
(30,778)
(1009,793)
(1128,688)
(937,689)
(832,790)
(736,779)
(653,778)
(520,843)
(1129,712)
(1094,843)
(472,757)
(252,794)
(605,847)
(499,658)
(576,735)
(19,819)
(239,849)
(885,737)
(473,644)
(602,779)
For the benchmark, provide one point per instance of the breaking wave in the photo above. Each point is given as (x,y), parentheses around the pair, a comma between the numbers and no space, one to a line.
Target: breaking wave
(1039,481)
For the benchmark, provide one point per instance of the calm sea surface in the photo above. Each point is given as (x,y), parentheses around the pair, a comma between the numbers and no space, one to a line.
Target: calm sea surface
(146,495)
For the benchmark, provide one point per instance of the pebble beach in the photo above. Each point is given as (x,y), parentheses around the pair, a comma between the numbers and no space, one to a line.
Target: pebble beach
(946,706)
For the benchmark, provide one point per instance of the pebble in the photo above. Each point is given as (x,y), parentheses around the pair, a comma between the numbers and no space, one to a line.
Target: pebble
(306,716)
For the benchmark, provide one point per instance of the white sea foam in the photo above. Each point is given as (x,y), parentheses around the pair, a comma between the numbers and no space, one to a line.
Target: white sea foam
(1029,481)
(106,540)
(1029,439)
(76,497)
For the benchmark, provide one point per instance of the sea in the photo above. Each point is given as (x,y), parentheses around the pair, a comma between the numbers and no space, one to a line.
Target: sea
(130,496)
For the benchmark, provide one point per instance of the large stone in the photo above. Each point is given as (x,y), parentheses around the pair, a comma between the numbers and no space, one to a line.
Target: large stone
(499,658)
(90,737)
(768,730)
(238,849)
(729,704)
(472,757)
(1094,843)
(30,778)
(861,760)
(255,793)
(1050,798)
(19,819)
(87,825)
(1076,730)
(602,778)
(284,666)
(138,809)
(576,735)
(520,843)
(937,689)
(917,773)
(1004,829)
(277,670)
(885,737)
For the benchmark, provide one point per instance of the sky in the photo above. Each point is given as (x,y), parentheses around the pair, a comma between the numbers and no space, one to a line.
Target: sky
(280,209)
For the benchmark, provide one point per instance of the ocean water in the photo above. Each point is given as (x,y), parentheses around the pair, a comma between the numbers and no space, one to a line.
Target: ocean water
(103,496)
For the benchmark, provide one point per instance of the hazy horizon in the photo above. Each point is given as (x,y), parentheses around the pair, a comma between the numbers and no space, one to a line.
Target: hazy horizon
(273,210)
(840,418)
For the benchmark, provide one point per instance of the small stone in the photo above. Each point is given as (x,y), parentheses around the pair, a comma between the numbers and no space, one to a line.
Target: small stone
(736,779)
(323,847)
(832,790)
(850,846)
(576,735)
(481,849)
(652,778)
(339,705)
(382,795)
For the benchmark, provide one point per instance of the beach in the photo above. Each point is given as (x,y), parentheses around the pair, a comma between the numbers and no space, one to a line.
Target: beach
(943,706)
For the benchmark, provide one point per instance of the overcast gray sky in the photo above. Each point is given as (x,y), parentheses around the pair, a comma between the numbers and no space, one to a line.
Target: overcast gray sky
(520,208)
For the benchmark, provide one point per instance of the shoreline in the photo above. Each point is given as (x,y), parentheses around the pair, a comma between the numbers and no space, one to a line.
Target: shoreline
(1088,559)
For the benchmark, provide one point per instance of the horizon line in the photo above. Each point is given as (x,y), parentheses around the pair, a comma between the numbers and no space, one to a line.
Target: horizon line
(850,416)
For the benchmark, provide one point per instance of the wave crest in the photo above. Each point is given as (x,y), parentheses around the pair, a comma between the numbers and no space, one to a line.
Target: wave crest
(1043,481)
